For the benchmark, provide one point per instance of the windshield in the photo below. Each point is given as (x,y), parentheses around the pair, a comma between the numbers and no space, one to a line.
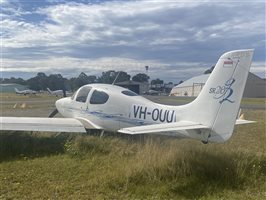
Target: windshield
(83,94)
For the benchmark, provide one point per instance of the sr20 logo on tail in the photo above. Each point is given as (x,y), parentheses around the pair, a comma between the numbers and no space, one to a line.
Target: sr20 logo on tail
(223,92)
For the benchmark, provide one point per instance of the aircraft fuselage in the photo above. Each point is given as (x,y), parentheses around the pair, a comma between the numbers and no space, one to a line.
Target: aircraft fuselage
(123,108)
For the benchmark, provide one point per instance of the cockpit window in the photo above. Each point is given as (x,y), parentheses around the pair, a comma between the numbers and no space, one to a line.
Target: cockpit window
(129,93)
(83,94)
(99,97)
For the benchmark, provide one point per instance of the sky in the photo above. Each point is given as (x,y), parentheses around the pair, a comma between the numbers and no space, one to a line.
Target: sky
(176,39)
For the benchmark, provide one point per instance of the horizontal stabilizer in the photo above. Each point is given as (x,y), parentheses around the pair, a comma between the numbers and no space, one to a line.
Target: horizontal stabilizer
(41,124)
(156,128)
(242,121)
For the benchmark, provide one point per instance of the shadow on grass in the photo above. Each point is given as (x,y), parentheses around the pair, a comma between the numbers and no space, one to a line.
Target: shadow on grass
(16,145)
(19,145)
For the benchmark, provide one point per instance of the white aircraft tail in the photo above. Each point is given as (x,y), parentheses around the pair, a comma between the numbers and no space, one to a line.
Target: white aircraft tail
(50,92)
(17,91)
(218,103)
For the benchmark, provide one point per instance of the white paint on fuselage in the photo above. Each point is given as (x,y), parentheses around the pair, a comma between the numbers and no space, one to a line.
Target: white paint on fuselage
(122,111)
(119,111)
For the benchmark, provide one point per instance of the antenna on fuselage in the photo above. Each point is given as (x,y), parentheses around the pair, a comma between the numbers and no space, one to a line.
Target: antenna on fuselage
(116,78)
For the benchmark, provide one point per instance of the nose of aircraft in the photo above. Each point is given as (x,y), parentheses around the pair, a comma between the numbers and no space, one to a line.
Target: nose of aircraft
(62,106)
(59,108)
(59,104)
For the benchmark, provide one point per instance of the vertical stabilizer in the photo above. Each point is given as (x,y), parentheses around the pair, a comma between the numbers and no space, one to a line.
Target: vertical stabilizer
(49,91)
(218,103)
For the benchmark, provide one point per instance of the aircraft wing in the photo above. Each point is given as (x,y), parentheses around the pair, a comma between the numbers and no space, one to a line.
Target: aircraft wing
(46,124)
(156,128)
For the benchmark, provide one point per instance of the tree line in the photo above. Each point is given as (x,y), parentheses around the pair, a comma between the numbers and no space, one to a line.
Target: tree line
(57,82)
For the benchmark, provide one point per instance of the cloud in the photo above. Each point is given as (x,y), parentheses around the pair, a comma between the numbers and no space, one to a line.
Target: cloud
(130,34)
(259,68)
(139,23)
(86,65)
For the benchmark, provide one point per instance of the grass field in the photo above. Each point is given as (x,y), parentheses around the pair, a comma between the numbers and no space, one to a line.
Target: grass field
(260,101)
(45,166)
(8,100)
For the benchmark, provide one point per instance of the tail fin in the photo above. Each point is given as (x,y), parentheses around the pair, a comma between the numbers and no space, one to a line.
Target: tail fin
(48,89)
(218,103)
(16,90)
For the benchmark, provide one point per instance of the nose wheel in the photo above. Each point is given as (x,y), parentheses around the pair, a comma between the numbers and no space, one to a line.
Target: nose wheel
(205,135)
(204,142)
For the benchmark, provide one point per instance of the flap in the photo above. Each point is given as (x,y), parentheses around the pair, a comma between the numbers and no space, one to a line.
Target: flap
(176,126)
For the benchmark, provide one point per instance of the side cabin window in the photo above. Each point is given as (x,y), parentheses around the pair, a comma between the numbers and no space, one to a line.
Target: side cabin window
(83,94)
(99,97)
(129,93)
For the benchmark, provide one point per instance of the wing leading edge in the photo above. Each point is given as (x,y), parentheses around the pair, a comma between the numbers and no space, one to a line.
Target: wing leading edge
(41,124)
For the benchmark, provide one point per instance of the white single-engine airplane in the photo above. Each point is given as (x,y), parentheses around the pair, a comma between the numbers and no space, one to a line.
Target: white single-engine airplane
(56,92)
(209,118)
(25,92)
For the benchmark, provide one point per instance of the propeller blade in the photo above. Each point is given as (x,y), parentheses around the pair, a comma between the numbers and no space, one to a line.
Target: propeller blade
(52,114)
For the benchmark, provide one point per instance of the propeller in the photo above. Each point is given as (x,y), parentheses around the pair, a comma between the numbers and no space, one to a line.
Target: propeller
(55,111)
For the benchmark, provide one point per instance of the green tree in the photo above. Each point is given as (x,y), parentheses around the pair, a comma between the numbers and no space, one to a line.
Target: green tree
(81,80)
(13,80)
(33,83)
(208,71)
(141,77)
(42,80)
(56,82)
(111,75)
(122,76)
(157,82)
(92,79)
(39,82)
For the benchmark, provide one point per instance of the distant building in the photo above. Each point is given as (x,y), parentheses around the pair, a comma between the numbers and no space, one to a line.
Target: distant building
(190,87)
(10,87)
(137,87)
(255,86)
(164,88)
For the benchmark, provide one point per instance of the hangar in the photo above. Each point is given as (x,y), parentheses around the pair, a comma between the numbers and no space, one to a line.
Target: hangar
(137,87)
(255,87)
(10,87)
